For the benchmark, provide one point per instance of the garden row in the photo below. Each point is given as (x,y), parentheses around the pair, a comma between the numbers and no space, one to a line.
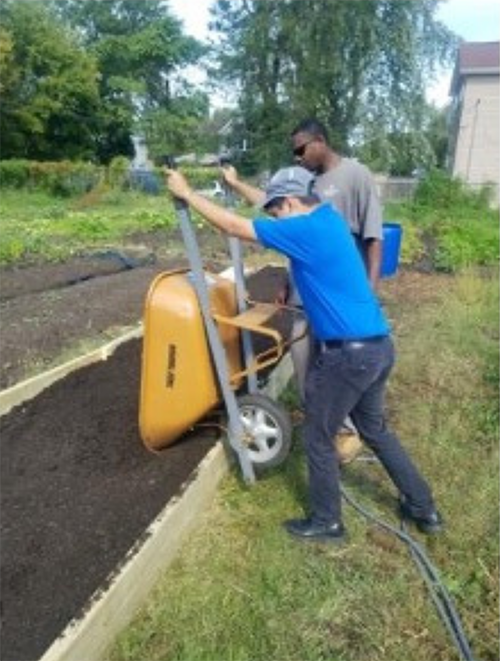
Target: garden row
(54,210)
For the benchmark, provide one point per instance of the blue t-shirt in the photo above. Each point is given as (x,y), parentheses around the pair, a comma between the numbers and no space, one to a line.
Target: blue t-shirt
(328,271)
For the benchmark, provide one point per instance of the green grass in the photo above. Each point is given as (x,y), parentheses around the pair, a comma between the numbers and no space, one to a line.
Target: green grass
(445,227)
(241,590)
(36,226)
(39,226)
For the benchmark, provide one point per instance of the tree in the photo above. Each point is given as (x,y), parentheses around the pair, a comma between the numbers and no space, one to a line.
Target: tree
(214,131)
(251,56)
(9,70)
(402,153)
(438,134)
(141,52)
(49,86)
(175,129)
(348,63)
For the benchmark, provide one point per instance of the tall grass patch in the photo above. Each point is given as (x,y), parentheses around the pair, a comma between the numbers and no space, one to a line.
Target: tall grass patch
(448,226)
(243,590)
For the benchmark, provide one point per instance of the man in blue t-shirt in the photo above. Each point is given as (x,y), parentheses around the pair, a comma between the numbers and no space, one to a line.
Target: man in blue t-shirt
(353,352)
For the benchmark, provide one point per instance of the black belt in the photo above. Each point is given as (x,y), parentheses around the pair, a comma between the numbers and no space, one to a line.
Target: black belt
(332,344)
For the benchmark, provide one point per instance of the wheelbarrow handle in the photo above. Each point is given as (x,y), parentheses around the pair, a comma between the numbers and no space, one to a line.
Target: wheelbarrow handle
(225,162)
(169,161)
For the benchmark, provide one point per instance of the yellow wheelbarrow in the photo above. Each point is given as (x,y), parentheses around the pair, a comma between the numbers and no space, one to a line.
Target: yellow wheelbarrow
(198,353)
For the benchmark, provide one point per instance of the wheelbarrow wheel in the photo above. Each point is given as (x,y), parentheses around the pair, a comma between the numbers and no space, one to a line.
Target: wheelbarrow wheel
(267,428)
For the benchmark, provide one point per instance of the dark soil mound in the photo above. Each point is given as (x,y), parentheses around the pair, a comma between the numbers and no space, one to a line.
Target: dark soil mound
(78,489)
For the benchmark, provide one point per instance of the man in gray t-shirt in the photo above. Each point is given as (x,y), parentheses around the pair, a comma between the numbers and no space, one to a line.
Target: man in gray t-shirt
(348,185)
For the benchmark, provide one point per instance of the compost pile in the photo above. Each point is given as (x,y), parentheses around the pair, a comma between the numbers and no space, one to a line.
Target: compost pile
(78,487)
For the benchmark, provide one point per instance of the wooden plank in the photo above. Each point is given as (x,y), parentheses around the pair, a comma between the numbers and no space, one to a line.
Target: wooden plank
(111,610)
(87,639)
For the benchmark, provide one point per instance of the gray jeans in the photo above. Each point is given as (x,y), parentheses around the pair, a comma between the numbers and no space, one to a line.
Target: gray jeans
(300,352)
(349,379)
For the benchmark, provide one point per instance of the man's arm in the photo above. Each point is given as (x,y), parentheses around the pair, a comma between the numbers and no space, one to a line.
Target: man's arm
(222,218)
(373,249)
(372,224)
(250,193)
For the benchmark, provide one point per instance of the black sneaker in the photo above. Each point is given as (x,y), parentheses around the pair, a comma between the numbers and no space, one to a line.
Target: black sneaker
(309,530)
(430,524)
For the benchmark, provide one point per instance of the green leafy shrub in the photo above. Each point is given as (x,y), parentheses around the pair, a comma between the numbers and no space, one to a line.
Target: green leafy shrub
(412,246)
(90,229)
(117,173)
(202,177)
(440,191)
(66,178)
(14,173)
(12,249)
(454,225)
(460,245)
(15,247)
(61,178)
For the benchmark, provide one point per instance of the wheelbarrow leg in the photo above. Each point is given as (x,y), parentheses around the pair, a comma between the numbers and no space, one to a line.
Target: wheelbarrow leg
(235,252)
(239,283)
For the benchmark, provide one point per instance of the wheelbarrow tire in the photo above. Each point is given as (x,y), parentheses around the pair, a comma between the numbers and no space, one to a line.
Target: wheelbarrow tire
(268,429)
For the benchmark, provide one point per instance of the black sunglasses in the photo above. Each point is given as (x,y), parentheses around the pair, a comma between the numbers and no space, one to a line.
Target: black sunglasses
(300,151)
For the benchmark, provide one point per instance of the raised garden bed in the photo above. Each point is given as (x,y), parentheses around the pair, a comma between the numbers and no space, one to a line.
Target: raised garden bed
(79,489)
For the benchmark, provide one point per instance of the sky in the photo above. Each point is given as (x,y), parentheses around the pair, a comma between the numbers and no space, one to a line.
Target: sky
(473,20)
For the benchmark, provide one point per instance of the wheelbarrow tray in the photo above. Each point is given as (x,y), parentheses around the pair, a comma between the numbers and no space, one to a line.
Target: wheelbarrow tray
(178,380)
(178,384)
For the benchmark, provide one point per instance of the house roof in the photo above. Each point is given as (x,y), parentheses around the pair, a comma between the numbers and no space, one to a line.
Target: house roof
(475,59)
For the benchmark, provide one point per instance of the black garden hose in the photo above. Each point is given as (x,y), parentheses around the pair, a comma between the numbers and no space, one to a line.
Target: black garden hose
(439,593)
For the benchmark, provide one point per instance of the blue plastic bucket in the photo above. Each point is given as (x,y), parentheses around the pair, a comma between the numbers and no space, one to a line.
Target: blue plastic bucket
(391,247)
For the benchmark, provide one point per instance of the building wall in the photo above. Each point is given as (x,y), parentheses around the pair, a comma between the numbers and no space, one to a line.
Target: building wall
(477,153)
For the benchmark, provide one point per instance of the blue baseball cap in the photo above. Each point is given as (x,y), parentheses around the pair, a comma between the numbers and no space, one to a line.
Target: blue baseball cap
(293,181)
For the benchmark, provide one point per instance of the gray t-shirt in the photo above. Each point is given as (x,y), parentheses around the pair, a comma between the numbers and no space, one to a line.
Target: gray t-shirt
(350,188)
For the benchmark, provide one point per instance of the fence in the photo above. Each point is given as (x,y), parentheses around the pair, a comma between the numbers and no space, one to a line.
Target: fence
(395,189)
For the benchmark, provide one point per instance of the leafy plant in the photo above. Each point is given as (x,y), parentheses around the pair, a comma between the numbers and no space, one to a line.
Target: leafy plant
(14,173)
(35,225)
(448,224)
(464,245)
(439,191)
(412,246)
(61,178)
